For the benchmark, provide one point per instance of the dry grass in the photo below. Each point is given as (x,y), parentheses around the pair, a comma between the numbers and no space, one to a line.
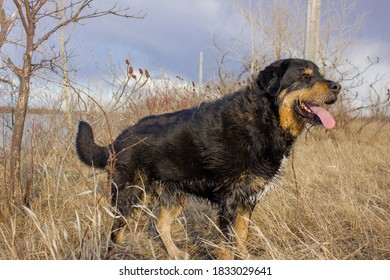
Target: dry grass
(337,207)
(334,203)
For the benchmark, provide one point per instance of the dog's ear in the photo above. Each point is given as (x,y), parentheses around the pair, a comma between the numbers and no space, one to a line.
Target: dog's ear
(270,78)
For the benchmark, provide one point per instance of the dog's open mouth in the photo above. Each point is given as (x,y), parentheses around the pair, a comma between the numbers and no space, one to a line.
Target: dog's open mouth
(315,114)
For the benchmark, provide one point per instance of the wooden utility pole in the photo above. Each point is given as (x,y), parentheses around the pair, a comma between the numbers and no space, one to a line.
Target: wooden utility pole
(200,86)
(313,24)
(68,99)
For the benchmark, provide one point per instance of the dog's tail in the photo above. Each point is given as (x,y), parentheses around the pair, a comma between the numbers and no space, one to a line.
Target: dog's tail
(89,152)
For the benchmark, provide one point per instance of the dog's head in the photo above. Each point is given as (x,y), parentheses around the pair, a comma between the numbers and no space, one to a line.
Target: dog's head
(300,92)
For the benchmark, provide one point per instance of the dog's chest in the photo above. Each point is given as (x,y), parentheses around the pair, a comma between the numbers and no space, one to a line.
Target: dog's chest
(260,186)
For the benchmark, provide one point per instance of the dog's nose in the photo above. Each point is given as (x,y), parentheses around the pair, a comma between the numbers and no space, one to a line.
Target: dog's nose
(334,87)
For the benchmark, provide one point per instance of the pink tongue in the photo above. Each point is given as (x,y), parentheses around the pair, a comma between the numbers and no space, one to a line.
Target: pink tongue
(325,117)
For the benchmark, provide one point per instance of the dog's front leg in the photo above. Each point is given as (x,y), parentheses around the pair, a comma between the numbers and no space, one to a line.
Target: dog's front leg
(233,223)
(241,227)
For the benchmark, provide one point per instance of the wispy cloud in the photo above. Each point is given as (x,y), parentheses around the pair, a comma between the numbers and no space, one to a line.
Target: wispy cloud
(173,33)
(377,51)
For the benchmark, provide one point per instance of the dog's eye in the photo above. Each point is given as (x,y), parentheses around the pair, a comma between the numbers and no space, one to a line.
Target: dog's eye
(305,78)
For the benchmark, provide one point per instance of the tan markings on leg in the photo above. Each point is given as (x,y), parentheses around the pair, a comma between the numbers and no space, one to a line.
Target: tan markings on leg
(118,232)
(225,253)
(120,235)
(224,249)
(240,232)
(241,229)
(164,222)
(117,238)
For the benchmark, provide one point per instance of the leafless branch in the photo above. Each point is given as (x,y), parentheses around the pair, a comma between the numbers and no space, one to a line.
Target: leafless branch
(78,17)
(13,67)
(7,81)
(5,24)
(20,11)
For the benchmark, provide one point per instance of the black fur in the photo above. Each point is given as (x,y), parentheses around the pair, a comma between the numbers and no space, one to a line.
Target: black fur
(90,153)
(214,151)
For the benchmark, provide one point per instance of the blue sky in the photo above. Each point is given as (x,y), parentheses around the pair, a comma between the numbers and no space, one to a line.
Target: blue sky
(375,26)
(168,39)
(173,33)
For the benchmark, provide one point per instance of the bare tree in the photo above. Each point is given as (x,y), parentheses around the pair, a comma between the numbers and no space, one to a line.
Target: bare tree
(338,32)
(31,14)
(275,31)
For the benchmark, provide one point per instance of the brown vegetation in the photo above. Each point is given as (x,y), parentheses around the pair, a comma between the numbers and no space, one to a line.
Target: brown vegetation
(333,203)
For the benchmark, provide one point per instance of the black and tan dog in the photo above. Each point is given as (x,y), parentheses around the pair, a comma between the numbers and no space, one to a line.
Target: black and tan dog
(229,151)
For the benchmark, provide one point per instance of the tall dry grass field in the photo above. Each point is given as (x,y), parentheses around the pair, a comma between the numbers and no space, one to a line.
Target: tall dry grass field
(333,203)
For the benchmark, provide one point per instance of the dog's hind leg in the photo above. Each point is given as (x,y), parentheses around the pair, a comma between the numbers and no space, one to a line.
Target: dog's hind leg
(119,225)
(118,231)
(168,214)
(125,199)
